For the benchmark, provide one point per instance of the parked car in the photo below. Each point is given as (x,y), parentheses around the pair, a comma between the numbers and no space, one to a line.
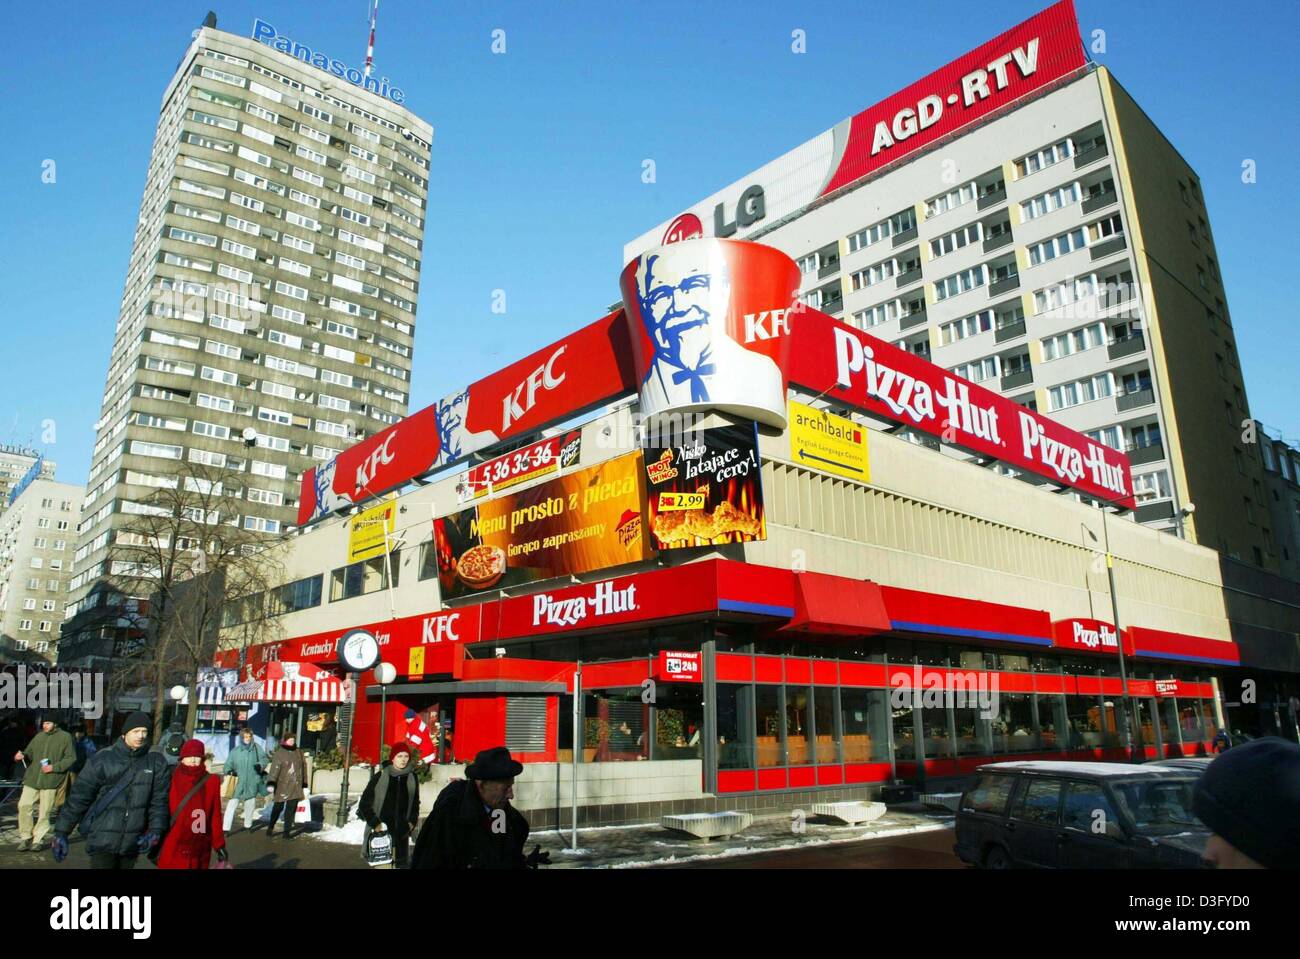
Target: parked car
(1194,764)
(1078,815)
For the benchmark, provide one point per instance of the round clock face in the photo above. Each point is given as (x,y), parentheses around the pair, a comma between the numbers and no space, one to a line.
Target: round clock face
(359,650)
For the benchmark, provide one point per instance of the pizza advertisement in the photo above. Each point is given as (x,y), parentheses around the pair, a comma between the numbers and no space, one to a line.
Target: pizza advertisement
(590,519)
(706,490)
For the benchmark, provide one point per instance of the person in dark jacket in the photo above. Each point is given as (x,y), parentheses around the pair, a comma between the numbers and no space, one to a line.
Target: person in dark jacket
(286,780)
(391,802)
(1249,798)
(473,825)
(120,799)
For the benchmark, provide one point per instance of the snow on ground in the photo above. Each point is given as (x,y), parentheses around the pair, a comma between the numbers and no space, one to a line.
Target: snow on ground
(353,834)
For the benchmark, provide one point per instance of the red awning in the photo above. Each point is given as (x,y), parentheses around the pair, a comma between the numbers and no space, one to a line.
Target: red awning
(1161,644)
(837,604)
(293,683)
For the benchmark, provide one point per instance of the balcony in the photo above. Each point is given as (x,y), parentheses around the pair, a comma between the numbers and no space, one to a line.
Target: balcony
(1142,455)
(1126,346)
(991,199)
(1009,332)
(1014,380)
(830,269)
(901,238)
(1091,156)
(1098,202)
(997,242)
(912,320)
(911,276)
(1150,512)
(1131,401)
(1005,285)
(1108,248)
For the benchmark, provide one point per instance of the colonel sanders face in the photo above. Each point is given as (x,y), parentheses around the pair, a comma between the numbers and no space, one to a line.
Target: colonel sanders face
(680,298)
(451,424)
(323,481)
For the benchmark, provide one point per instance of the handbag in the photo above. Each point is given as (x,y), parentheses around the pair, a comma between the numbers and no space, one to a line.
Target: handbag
(156,850)
(228,787)
(378,848)
(302,812)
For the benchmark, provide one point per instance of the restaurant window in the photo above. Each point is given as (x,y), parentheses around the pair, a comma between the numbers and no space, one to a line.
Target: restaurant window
(1171,725)
(976,659)
(904,719)
(1044,664)
(934,727)
(900,650)
(767,725)
(368,576)
(1111,723)
(615,646)
(615,726)
(735,705)
(863,716)
(798,703)
(1013,662)
(974,733)
(931,654)
(677,716)
(1146,722)
(1189,720)
(1053,724)
(1013,727)
(824,724)
(1084,717)
(1078,666)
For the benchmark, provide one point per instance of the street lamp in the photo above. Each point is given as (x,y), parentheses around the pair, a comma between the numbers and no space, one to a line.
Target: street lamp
(1119,642)
(385,673)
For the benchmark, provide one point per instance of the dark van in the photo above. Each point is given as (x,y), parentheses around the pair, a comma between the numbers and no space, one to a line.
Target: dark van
(1080,815)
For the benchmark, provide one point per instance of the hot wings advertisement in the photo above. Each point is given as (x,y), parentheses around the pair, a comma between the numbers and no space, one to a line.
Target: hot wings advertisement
(587,520)
(706,490)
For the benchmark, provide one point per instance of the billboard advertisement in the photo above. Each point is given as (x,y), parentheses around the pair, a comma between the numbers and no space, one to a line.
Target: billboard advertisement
(370,531)
(521,466)
(589,519)
(574,374)
(707,490)
(707,321)
(852,367)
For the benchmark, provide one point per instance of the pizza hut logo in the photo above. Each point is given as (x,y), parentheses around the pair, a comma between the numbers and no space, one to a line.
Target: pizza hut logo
(629,529)
(685,227)
(605,601)
(569,451)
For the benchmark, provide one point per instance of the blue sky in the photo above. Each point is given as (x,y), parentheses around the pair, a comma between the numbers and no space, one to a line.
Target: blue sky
(536,169)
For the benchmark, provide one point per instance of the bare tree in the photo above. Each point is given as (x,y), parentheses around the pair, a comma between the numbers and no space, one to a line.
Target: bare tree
(186,559)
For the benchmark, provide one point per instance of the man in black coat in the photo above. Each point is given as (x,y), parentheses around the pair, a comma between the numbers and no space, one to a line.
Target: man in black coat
(473,825)
(122,797)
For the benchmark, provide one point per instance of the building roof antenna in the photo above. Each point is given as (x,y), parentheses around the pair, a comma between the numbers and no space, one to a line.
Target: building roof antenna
(370,50)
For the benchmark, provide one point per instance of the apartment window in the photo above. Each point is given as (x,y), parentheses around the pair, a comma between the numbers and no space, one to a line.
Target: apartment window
(24,625)
(251,203)
(29,604)
(972,325)
(261,525)
(282,390)
(1136,381)
(961,282)
(38,562)
(297,243)
(1200,278)
(1057,246)
(1152,486)
(219,376)
(1080,391)
(978,370)
(214,430)
(210,402)
(239,249)
(289,289)
(223,349)
(247,226)
(1111,436)
(293,266)
(34,583)
(297,219)
(1048,156)
(266,496)
(1076,341)
(1050,201)
(274,416)
(258,468)
(1110,226)
(45,626)
(950,200)
(292,316)
(189,236)
(1064,293)
(284,339)
(277,443)
(141,448)
(941,246)
(43,523)
(1145,435)
(876,273)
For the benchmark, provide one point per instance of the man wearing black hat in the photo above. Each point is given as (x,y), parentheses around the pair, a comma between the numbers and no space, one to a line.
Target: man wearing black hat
(1249,798)
(473,825)
(119,800)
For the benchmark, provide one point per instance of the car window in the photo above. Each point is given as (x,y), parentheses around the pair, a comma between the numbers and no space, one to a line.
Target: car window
(1039,800)
(989,794)
(1160,805)
(1088,808)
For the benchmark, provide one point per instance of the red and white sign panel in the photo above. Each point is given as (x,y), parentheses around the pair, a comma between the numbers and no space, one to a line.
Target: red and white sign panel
(1088,635)
(1166,688)
(855,368)
(1027,57)
(679,667)
(540,459)
(583,370)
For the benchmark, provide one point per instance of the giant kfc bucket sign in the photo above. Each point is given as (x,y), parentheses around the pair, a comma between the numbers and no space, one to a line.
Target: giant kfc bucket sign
(710,323)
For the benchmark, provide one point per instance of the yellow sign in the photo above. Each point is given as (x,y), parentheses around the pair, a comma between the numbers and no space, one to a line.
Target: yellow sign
(827,442)
(370,530)
(669,502)
(416,664)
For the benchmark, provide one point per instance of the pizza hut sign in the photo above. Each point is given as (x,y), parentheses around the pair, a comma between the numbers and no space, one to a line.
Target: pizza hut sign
(606,600)
(679,667)
(1091,635)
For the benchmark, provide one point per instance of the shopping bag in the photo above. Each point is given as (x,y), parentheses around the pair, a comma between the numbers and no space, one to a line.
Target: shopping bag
(303,811)
(228,787)
(379,848)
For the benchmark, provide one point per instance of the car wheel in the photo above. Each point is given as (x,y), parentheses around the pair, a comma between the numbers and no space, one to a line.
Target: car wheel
(997,858)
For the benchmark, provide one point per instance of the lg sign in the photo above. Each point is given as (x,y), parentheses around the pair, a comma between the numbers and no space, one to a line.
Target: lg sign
(750,208)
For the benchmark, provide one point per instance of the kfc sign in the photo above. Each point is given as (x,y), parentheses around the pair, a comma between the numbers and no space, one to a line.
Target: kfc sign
(1089,635)
(844,363)
(706,318)
(677,667)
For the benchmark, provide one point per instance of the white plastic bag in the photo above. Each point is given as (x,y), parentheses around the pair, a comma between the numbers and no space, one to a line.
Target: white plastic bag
(303,811)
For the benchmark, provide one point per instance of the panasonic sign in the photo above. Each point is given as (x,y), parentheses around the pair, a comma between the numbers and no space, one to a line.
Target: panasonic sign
(263,32)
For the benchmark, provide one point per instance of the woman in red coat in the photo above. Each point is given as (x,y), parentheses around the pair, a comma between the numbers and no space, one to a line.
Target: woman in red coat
(196,821)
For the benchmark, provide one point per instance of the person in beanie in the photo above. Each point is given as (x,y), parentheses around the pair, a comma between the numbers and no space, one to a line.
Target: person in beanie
(473,825)
(286,782)
(119,800)
(391,801)
(247,761)
(49,757)
(194,801)
(1249,798)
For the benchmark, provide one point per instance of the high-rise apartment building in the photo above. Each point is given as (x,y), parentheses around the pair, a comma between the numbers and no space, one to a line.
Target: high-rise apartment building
(37,535)
(268,316)
(1017,218)
(20,465)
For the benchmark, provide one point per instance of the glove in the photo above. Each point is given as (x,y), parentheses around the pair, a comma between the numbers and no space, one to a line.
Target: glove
(222,855)
(147,841)
(258,769)
(537,858)
(60,848)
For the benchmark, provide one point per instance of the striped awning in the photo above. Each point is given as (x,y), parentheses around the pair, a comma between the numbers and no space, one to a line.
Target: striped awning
(291,691)
(210,694)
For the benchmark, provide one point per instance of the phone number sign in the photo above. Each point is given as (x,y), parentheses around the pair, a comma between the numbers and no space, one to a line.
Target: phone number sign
(541,459)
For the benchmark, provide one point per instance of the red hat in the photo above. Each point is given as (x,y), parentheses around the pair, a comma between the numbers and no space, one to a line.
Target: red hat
(396,748)
(193,747)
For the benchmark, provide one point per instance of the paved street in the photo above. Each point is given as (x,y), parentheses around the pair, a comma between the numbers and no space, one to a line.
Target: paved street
(924,850)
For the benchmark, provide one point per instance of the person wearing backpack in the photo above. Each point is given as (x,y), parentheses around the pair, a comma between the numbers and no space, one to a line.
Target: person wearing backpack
(119,801)
(194,801)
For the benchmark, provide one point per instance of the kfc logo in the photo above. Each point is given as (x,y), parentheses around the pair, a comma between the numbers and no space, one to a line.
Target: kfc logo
(379,457)
(685,227)
(439,629)
(544,377)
